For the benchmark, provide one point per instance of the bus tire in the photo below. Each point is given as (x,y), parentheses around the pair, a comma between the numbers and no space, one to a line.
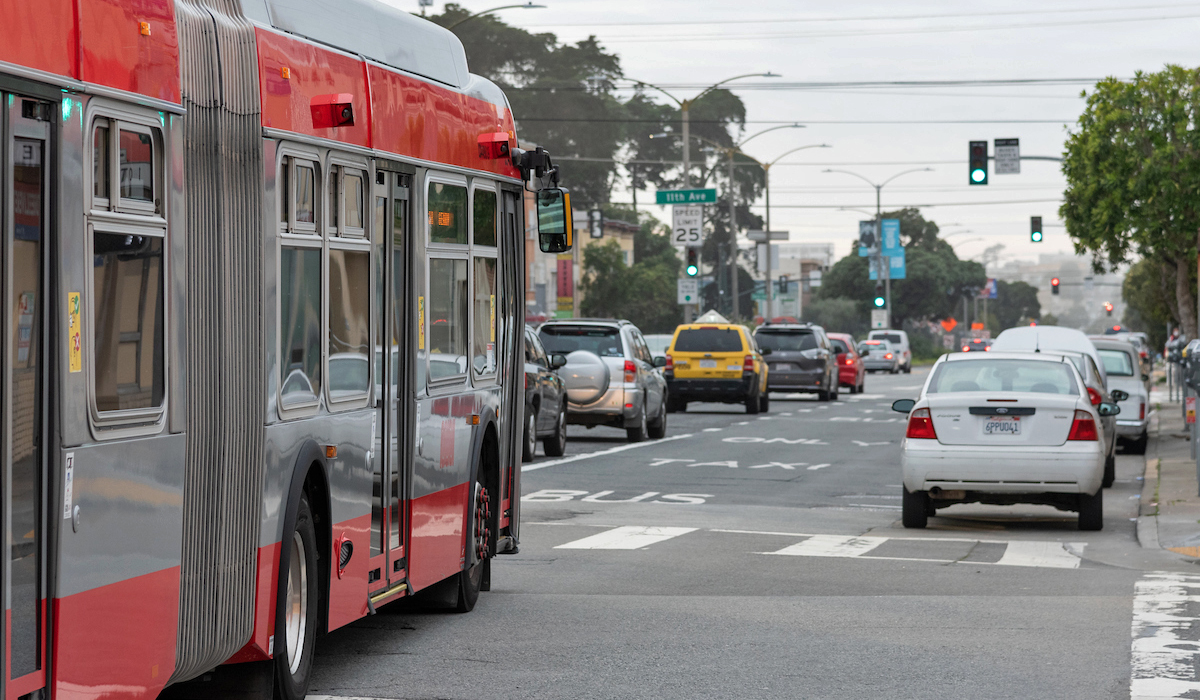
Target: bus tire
(296,642)
(479,548)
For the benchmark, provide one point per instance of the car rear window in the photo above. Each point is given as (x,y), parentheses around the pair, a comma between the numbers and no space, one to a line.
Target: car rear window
(839,346)
(778,341)
(890,337)
(1117,363)
(1003,376)
(708,340)
(605,342)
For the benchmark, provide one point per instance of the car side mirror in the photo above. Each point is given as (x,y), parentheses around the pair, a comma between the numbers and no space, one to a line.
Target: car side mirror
(766,351)
(660,361)
(1145,377)
(558,360)
(1118,395)
(1108,409)
(903,405)
(555,226)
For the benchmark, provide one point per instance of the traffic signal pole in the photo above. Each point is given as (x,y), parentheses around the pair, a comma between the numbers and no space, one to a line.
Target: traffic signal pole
(884,262)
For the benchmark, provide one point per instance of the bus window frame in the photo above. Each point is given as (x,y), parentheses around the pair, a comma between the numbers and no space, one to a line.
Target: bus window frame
(286,156)
(344,162)
(357,241)
(117,215)
(444,251)
(482,252)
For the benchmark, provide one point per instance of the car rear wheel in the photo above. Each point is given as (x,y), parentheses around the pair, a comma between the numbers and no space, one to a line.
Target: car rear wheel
(862,384)
(908,368)
(752,403)
(529,448)
(1138,447)
(833,395)
(638,432)
(556,444)
(764,403)
(1091,510)
(1110,470)
(822,395)
(915,509)
(658,429)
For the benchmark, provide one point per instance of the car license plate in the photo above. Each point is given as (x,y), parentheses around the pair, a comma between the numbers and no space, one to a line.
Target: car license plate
(1002,425)
(782,367)
(708,364)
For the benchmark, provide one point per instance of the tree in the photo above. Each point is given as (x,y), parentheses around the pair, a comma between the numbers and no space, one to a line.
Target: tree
(1133,176)
(1015,302)
(644,293)
(1149,294)
(837,316)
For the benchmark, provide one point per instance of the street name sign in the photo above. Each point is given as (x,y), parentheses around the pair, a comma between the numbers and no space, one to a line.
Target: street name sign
(1007,156)
(688,290)
(761,236)
(687,226)
(685,196)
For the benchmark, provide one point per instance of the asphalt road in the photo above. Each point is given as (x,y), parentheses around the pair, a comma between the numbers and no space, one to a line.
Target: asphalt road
(762,557)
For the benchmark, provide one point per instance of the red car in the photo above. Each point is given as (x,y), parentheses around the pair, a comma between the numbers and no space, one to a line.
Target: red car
(851,372)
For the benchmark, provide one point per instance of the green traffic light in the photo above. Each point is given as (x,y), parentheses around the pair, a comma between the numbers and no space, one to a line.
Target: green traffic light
(978,175)
(692,270)
(879,302)
(1036,236)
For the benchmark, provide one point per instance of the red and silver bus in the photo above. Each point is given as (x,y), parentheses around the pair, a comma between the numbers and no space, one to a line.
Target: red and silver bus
(263,300)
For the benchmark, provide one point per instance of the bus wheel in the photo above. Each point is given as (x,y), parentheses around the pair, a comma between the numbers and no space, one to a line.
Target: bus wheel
(479,550)
(294,656)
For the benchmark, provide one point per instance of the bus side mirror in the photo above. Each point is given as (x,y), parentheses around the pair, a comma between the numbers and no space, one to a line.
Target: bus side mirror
(555,226)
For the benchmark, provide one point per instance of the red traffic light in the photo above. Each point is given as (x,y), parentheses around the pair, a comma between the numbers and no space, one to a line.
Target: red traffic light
(1054,282)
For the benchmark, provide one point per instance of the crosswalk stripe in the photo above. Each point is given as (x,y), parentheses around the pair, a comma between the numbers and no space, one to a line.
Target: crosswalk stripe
(627,537)
(1164,651)
(1044,554)
(832,546)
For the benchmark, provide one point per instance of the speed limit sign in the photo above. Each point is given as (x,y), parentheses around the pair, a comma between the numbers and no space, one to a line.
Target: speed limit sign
(687,226)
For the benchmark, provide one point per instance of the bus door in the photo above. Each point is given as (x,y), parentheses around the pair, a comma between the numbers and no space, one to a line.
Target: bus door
(512,280)
(24,256)
(392,461)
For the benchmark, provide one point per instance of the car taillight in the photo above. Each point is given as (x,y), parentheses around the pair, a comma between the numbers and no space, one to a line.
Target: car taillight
(1143,354)
(966,348)
(887,356)
(1141,411)
(849,360)
(630,371)
(670,366)
(920,425)
(748,363)
(1083,428)
(1094,396)
(987,348)
(527,382)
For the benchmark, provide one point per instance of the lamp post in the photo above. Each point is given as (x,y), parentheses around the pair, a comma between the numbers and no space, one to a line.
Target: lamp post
(767,186)
(884,270)
(526,6)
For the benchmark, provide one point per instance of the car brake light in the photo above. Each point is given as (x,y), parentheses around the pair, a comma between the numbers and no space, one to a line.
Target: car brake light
(887,356)
(1083,428)
(987,348)
(748,364)
(920,425)
(849,360)
(670,364)
(1141,411)
(630,371)
(1094,396)
(965,348)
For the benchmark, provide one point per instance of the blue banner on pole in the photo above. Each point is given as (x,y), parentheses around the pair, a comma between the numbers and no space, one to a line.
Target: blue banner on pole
(895,264)
(891,236)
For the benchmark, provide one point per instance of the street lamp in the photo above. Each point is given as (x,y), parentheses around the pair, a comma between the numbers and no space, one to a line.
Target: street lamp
(767,186)
(685,107)
(526,6)
(879,225)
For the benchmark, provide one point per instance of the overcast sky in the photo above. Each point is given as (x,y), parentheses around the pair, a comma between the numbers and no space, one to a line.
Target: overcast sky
(874,40)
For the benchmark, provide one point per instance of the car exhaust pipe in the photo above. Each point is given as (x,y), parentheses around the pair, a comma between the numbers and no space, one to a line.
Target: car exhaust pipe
(936,490)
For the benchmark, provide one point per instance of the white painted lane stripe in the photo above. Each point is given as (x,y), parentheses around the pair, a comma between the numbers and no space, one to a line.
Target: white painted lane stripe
(1043,554)
(832,546)
(627,537)
(613,450)
(1165,654)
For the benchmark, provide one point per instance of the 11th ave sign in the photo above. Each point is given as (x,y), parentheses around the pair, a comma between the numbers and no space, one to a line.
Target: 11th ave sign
(685,196)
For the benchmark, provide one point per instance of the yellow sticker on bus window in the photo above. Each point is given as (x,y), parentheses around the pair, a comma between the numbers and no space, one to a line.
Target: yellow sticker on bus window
(74,334)
(420,323)
(492,304)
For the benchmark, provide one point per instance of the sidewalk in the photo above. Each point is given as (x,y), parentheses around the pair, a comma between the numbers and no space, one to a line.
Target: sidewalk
(1169,515)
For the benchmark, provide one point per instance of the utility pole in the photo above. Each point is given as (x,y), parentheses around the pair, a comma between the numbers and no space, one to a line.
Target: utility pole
(733,258)
(767,186)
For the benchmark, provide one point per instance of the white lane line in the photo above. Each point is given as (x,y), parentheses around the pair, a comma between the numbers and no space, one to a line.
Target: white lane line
(713,430)
(1043,554)
(815,467)
(613,450)
(832,546)
(627,537)
(1165,653)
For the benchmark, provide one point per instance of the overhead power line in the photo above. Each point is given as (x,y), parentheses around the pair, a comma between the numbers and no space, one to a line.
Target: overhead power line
(893,207)
(605,120)
(824,85)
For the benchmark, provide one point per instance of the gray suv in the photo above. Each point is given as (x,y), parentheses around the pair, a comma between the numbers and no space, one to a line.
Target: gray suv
(801,358)
(611,378)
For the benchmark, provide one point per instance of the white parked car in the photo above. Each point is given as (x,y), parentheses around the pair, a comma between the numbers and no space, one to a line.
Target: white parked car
(1003,428)
(1122,364)
(899,342)
(879,356)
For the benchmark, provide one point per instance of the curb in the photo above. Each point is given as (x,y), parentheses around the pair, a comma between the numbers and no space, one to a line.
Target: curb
(1147,525)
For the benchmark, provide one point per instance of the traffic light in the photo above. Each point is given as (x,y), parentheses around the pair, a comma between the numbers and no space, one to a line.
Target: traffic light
(783,284)
(693,263)
(1035,229)
(879,300)
(1108,307)
(977,159)
(1054,286)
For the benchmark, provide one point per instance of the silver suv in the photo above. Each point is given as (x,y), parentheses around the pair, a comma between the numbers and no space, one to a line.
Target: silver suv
(611,377)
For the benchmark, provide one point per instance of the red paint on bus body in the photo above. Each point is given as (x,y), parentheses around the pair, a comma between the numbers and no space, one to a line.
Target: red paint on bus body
(266,580)
(117,640)
(348,594)
(436,548)
(41,35)
(115,53)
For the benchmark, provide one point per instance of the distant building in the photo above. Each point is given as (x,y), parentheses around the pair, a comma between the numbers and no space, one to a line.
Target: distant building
(1082,293)
(804,265)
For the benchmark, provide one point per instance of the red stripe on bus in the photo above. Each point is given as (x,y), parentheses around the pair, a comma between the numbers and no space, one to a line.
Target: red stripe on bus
(348,594)
(266,580)
(117,640)
(436,549)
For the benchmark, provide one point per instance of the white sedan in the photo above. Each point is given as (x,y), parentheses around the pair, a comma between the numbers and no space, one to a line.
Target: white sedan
(1003,428)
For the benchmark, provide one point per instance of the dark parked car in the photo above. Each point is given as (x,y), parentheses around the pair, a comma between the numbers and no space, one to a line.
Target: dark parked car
(545,400)
(801,358)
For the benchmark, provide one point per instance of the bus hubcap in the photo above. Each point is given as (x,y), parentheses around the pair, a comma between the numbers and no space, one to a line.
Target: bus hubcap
(296,621)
